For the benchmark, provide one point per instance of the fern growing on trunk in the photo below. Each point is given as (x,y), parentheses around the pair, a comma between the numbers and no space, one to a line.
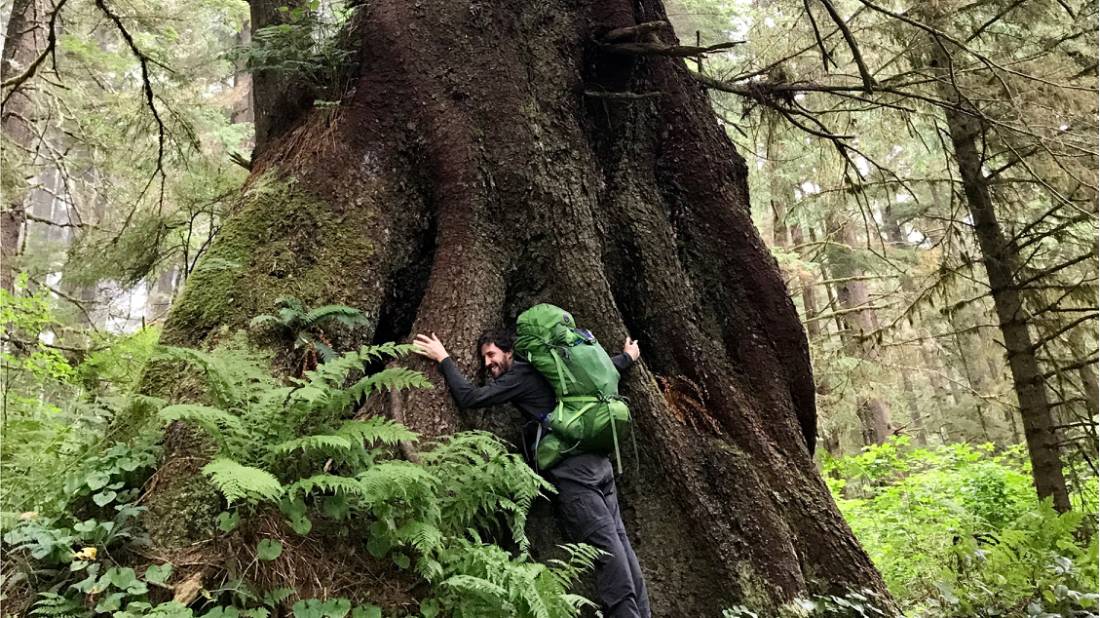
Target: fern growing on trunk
(293,446)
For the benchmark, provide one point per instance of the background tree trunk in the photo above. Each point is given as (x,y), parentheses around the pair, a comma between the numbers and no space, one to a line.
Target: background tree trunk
(1001,262)
(23,35)
(469,176)
(858,317)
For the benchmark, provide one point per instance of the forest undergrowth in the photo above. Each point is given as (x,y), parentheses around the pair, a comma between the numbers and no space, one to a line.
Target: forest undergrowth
(955,530)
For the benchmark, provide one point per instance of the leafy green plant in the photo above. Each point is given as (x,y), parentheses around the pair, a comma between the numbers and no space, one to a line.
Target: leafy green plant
(305,46)
(292,446)
(986,546)
(309,329)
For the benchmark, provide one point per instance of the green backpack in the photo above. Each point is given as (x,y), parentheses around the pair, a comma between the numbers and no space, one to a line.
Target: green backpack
(590,414)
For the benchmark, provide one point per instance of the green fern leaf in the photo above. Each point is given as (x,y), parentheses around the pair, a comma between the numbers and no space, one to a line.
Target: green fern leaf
(425,537)
(218,423)
(376,430)
(391,379)
(349,316)
(483,588)
(399,480)
(327,483)
(264,321)
(237,482)
(289,302)
(321,443)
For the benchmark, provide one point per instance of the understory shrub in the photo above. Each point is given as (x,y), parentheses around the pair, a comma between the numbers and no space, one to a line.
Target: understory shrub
(957,531)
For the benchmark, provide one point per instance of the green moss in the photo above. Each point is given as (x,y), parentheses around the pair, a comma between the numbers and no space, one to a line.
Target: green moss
(182,511)
(282,241)
(754,589)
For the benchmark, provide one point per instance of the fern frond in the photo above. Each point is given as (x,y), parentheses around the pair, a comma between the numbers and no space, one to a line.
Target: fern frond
(55,605)
(425,537)
(289,302)
(582,558)
(324,444)
(234,376)
(385,350)
(484,481)
(327,483)
(291,318)
(237,482)
(391,379)
(400,480)
(324,351)
(348,316)
(265,320)
(212,420)
(376,430)
(480,587)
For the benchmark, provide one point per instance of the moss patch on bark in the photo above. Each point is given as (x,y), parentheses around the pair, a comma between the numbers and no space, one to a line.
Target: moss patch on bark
(282,241)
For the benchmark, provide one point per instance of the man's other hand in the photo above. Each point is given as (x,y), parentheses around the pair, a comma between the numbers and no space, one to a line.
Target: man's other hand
(630,348)
(431,347)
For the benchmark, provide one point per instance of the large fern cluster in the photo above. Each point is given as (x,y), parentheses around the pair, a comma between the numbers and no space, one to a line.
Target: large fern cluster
(486,581)
(294,445)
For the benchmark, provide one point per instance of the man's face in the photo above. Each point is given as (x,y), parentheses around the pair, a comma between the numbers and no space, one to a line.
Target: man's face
(497,361)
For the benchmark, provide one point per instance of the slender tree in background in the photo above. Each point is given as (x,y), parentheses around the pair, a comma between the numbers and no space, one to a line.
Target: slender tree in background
(1014,111)
(23,40)
(857,313)
(1001,263)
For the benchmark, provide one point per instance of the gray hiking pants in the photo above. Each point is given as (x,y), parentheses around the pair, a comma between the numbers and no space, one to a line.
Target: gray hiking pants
(589,508)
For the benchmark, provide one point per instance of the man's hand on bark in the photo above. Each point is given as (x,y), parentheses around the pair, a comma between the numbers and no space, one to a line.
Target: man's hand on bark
(630,348)
(431,347)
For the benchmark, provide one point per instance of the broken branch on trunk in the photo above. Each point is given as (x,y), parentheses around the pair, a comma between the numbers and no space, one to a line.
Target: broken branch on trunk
(634,32)
(657,48)
(631,96)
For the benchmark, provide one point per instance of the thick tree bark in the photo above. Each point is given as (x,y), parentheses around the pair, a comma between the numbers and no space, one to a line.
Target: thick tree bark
(21,45)
(1001,262)
(469,176)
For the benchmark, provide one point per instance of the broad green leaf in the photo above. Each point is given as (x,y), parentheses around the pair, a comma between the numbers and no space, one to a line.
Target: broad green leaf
(269,549)
(97,480)
(104,498)
(228,521)
(158,573)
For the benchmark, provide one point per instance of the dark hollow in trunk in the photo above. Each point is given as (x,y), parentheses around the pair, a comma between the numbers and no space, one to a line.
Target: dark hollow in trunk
(469,176)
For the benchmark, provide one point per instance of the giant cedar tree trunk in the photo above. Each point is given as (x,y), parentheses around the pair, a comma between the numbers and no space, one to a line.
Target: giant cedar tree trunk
(468,176)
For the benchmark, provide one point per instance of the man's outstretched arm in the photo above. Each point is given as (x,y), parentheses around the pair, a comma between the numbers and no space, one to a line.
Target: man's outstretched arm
(629,355)
(465,394)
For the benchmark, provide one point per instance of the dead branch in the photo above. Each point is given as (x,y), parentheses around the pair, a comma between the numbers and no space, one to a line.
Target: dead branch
(630,96)
(658,48)
(864,74)
(240,160)
(147,87)
(634,32)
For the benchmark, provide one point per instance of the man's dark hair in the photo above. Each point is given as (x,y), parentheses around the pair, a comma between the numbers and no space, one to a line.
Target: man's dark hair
(502,338)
